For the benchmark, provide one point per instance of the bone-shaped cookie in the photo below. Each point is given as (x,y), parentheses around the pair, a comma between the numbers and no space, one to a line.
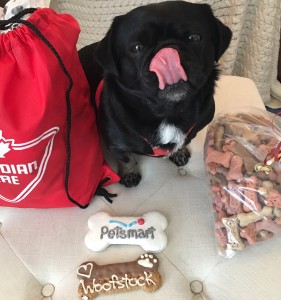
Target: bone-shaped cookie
(120,277)
(146,231)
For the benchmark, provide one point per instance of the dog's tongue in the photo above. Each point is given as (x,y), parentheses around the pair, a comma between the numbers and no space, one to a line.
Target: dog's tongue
(167,66)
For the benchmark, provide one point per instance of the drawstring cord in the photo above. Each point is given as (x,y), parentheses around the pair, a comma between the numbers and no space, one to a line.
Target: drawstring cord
(103,192)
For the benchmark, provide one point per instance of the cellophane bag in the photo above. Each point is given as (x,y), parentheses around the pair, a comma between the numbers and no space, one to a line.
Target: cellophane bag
(242,153)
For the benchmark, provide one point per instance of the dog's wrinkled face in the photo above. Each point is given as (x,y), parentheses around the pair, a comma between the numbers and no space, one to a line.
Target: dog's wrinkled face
(164,51)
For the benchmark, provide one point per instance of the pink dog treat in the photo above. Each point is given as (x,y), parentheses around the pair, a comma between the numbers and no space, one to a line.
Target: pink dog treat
(249,233)
(221,214)
(212,168)
(221,236)
(228,146)
(273,199)
(268,225)
(218,157)
(236,168)
(266,148)
(221,198)
(235,192)
(278,220)
(250,194)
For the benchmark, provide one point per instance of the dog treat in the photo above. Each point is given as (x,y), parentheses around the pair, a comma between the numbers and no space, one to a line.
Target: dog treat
(235,168)
(247,218)
(146,231)
(243,163)
(234,241)
(120,277)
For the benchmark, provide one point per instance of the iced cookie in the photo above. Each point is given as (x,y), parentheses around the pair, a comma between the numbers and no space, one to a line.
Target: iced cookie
(120,277)
(146,231)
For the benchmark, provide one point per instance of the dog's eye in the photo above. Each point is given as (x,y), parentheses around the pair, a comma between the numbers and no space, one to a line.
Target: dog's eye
(194,37)
(137,48)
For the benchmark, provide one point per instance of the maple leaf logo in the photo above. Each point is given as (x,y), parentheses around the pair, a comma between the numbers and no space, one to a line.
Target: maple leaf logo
(4,146)
(26,164)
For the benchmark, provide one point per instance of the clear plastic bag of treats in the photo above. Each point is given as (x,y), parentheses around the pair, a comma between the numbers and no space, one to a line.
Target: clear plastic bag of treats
(243,164)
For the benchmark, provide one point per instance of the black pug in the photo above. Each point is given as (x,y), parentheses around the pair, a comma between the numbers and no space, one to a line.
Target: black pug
(156,67)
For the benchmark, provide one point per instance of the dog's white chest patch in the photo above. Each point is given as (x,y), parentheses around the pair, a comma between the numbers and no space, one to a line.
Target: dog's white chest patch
(169,133)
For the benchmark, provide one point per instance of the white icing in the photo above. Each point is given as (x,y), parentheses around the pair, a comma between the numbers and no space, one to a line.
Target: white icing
(116,283)
(86,270)
(145,263)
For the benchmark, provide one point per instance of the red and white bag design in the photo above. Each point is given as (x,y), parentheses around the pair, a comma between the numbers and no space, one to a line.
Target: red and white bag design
(50,153)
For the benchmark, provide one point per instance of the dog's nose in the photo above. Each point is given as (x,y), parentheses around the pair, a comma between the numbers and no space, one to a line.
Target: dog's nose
(167,66)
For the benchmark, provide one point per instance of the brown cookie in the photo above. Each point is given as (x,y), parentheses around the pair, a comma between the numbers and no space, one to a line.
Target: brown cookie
(119,277)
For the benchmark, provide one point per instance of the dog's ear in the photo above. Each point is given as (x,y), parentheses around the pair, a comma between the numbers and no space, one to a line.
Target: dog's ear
(222,39)
(104,53)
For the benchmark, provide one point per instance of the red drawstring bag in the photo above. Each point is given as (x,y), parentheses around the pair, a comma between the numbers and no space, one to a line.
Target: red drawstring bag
(50,153)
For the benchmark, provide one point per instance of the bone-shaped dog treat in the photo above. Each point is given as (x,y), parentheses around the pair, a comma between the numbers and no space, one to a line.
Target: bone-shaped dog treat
(268,185)
(249,162)
(266,148)
(250,195)
(228,145)
(236,168)
(238,129)
(268,225)
(277,212)
(247,218)
(265,188)
(219,138)
(221,236)
(255,119)
(234,241)
(120,277)
(146,231)
(235,194)
(218,157)
(221,197)
(220,214)
(249,233)
(273,198)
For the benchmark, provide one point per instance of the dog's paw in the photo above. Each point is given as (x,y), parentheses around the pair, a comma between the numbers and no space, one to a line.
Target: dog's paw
(130,179)
(181,157)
